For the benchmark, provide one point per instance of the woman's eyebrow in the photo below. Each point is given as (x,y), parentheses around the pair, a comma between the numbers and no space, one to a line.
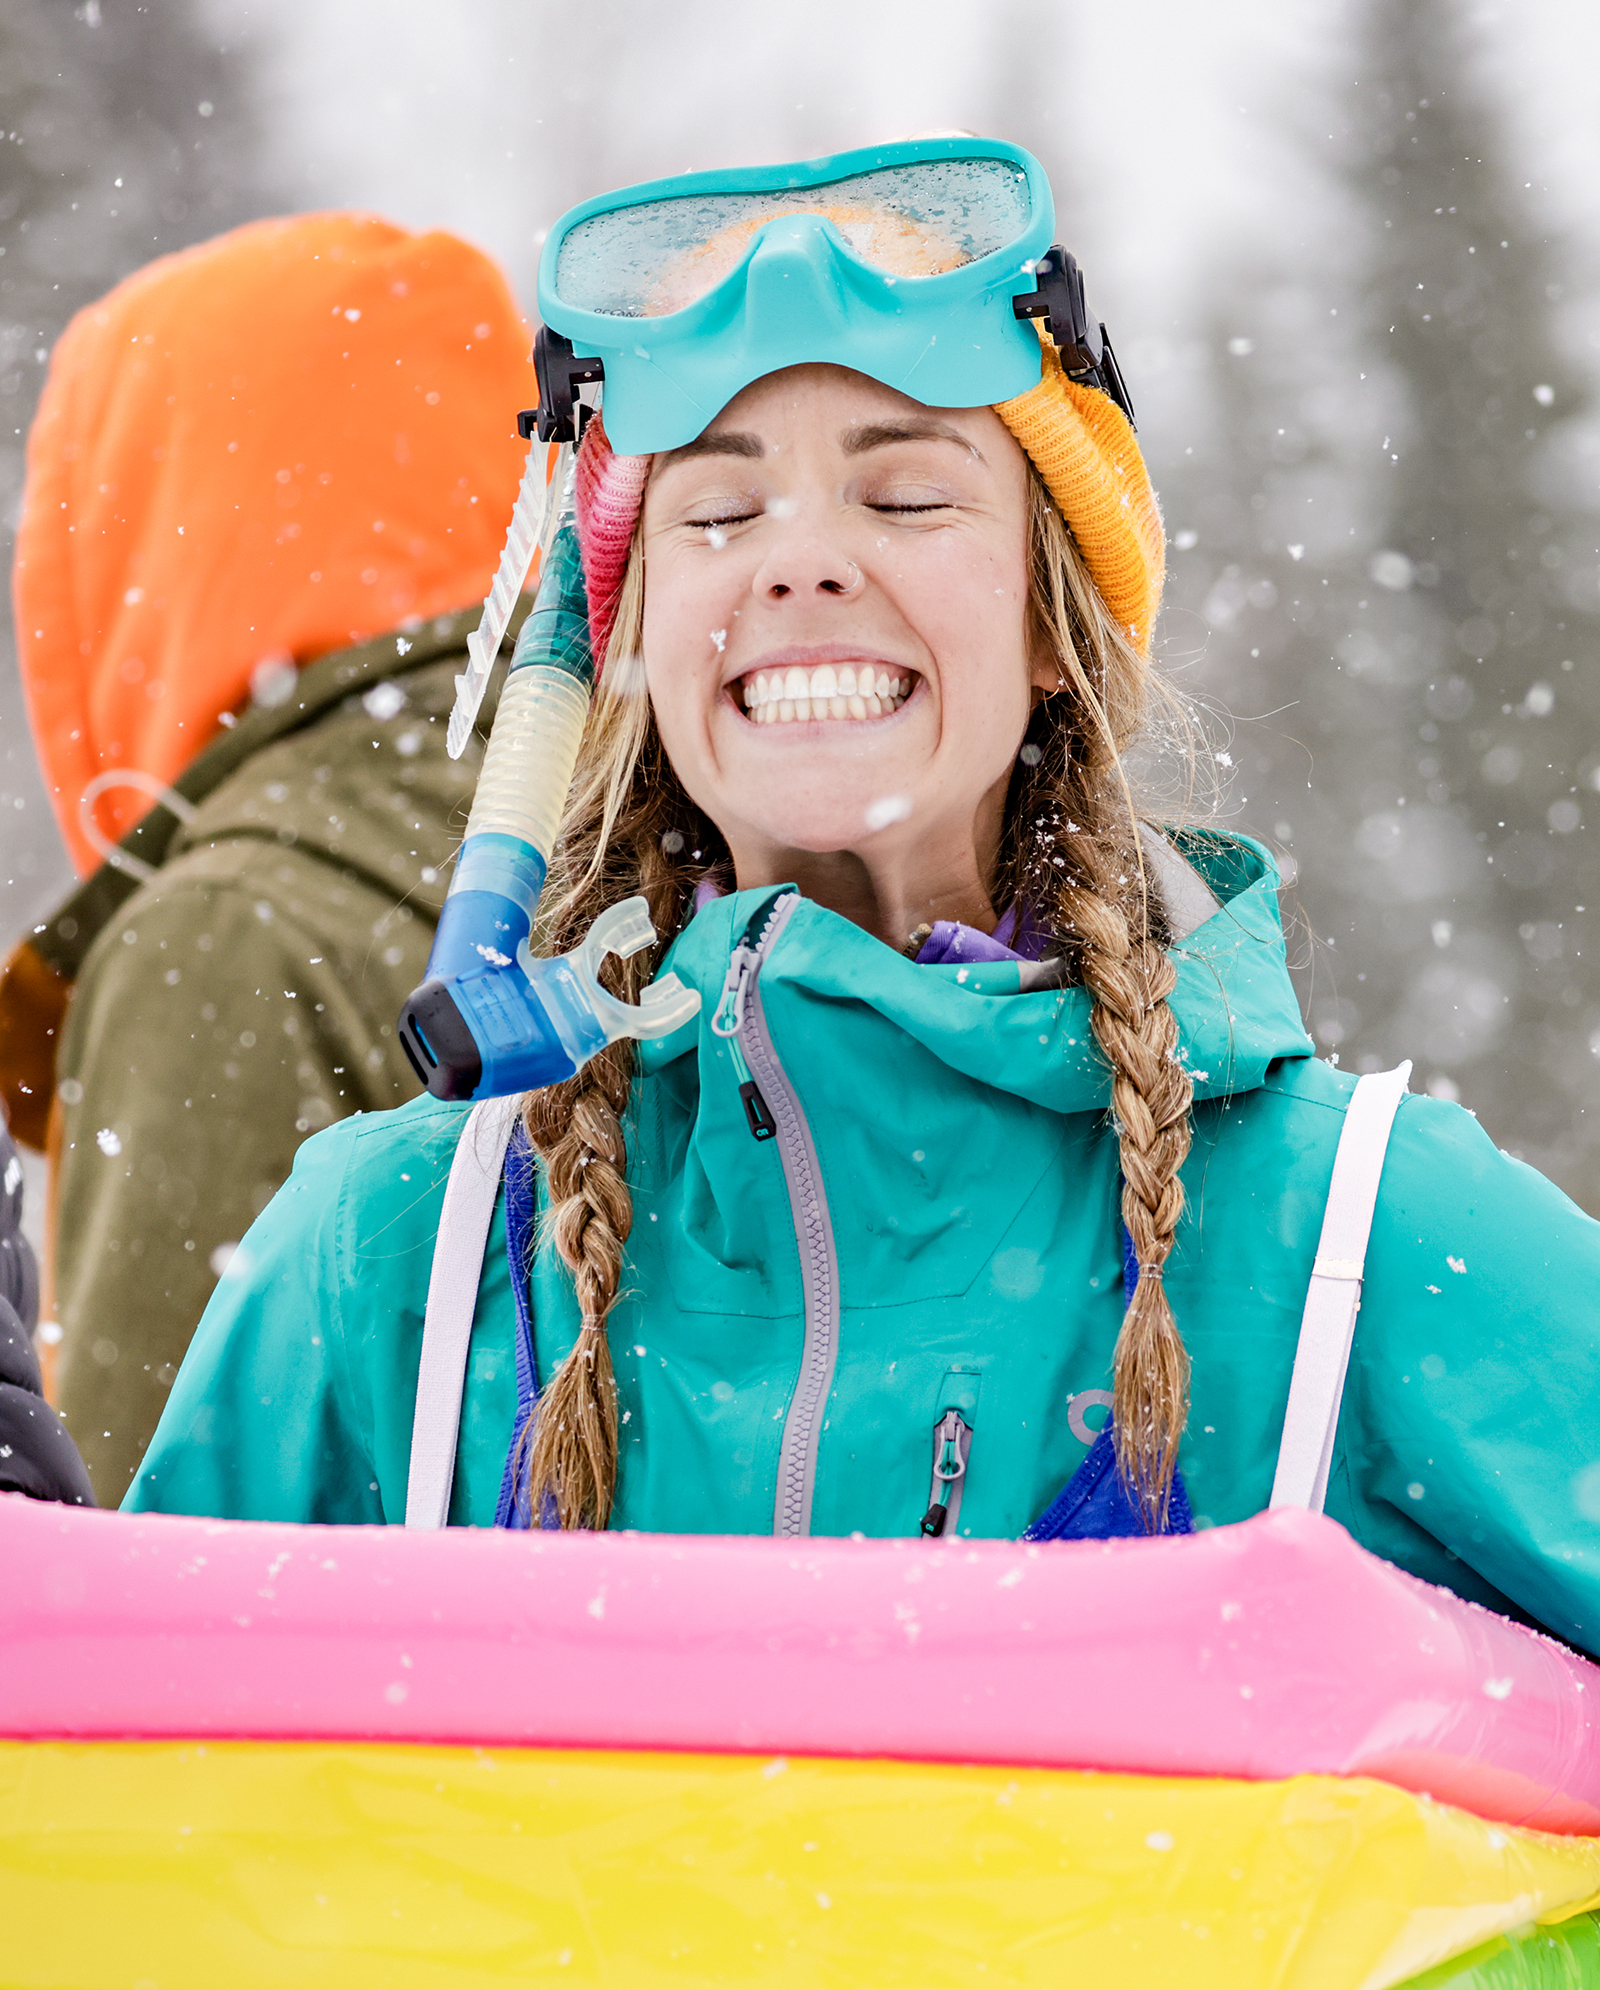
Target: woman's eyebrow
(718,442)
(879,434)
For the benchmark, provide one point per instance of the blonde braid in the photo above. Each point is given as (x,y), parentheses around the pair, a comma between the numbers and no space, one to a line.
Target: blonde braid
(628,828)
(1082,873)
(577,1130)
(1151,1096)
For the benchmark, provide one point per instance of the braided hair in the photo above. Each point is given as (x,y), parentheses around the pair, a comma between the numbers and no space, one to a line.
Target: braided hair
(1070,851)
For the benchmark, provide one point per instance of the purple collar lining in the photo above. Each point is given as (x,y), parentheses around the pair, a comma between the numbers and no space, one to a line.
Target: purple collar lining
(949,943)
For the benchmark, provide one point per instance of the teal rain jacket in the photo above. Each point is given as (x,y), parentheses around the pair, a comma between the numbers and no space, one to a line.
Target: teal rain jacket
(964,1162)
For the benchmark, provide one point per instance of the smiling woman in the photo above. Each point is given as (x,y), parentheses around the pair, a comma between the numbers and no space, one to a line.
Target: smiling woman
(998,1112)
(866,567)
(848,611)
(974,1086)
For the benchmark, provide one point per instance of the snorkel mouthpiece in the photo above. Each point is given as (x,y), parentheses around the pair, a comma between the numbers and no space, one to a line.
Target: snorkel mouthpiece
(490,1019)
(519,1023)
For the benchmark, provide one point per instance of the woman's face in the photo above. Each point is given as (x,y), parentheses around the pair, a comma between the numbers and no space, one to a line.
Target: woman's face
(835,623)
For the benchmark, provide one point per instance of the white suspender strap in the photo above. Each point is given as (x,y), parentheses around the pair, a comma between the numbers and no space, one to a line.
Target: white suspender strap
(469,1200)
(1328,1324)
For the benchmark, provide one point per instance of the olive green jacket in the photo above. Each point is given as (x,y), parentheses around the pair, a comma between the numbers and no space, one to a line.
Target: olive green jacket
(962,1233)
(237,1002)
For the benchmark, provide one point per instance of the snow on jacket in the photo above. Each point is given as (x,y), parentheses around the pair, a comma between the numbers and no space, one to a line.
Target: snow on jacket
(959,1120)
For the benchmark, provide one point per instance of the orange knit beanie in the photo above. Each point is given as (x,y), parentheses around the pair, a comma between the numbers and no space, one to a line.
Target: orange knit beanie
(1083,446)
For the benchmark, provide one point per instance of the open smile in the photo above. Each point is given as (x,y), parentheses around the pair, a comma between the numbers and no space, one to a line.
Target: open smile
(788,696)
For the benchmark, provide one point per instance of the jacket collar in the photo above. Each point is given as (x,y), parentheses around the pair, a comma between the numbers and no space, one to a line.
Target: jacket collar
(1236,1006)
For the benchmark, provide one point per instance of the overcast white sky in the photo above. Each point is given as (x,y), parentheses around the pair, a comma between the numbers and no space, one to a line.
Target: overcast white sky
(487,117)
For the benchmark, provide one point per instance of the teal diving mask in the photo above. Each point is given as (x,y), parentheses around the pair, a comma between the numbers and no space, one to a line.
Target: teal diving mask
(917,263)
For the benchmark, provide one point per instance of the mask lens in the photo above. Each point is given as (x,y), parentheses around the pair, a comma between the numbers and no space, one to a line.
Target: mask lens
(912,220)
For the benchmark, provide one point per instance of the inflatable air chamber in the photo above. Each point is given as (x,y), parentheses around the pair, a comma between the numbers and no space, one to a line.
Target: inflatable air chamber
(259,1755)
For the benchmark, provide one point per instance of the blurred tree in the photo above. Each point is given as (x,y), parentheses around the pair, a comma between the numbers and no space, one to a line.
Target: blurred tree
(1019,96)
(125,131)
(1393,495)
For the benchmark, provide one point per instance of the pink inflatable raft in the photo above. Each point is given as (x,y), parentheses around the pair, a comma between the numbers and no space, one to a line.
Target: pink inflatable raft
(250,1754)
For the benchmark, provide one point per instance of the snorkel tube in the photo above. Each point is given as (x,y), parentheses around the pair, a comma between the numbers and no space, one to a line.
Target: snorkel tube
(490,1019)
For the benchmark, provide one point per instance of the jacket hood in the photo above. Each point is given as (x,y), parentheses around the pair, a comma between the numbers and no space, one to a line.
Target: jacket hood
(1236,1006)
(263,448)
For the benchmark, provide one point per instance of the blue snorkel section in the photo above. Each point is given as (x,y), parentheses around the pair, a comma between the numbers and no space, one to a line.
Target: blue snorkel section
(800,293)
(491,867)
(491,1019)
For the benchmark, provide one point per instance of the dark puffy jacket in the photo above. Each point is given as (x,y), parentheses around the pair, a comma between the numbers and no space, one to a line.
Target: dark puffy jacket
(37,1457)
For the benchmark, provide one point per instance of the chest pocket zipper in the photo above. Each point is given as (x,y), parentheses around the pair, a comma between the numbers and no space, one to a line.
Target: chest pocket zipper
(757,1112)
(952,1446)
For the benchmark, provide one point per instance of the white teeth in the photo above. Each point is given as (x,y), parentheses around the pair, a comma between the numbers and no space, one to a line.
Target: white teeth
(779,697)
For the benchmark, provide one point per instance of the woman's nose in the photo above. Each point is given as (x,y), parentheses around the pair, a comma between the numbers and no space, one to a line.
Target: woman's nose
(806,568)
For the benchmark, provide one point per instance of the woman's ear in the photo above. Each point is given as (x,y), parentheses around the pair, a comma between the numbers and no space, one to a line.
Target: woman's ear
(1044,673)
(1051,711)
(1044,665)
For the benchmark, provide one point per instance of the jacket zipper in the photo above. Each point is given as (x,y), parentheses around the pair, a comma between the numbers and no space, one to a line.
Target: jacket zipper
(952,1445)
(773,1112)
(729,1021)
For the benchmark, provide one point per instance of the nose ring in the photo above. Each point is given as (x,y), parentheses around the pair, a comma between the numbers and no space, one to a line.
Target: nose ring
(855,580)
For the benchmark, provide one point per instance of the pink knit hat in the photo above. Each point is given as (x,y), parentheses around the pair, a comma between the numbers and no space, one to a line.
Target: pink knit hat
(608,493)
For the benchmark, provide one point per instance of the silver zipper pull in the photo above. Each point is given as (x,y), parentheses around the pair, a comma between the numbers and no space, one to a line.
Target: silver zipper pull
(729,1019)
(728,1022)
(952,1446)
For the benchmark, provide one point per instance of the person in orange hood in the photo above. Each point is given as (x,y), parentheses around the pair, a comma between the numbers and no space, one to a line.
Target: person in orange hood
(249,459)
(266,447)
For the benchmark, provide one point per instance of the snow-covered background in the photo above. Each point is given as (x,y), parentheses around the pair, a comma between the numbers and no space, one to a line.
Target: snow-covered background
(1385,516)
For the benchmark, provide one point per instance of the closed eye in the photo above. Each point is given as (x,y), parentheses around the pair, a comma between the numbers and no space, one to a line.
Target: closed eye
(721,521)
(906,496)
